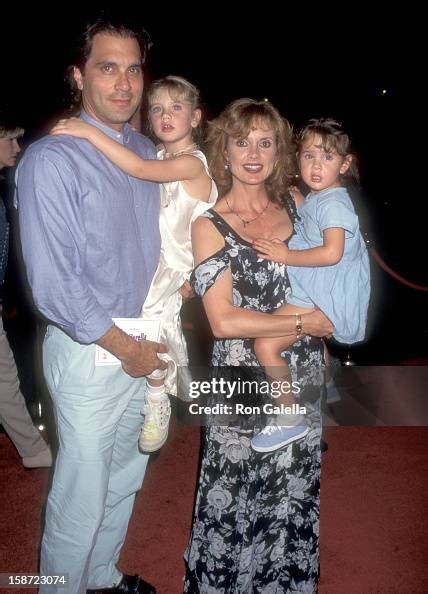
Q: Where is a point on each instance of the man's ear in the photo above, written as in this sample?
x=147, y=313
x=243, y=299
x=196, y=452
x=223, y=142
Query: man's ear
x=346, y=164
x=77, y=75
x=196, y=118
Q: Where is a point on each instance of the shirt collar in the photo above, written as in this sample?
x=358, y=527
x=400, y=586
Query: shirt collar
x=122, y=137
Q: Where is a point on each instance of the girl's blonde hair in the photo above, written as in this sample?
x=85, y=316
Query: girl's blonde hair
x=179, y=89
x=236, y=121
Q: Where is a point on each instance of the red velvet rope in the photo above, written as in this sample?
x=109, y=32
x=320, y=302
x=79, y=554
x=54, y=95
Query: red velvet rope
x=392, y=273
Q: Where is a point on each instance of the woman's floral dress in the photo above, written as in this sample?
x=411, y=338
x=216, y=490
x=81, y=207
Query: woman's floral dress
x=256, y=519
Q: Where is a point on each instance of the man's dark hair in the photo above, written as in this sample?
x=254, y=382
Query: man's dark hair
x=83, y=46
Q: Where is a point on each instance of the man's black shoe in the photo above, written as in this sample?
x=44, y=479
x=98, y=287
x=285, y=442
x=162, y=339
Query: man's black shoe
x=129, y=584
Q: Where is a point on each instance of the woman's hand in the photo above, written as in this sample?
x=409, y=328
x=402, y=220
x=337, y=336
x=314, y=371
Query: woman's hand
x=271, y=249
x=73, y=127
x=317, y=324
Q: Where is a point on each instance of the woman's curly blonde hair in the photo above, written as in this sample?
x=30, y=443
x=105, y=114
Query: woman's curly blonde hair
x=237, y=120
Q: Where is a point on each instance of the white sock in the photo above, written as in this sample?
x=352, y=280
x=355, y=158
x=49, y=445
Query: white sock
x=157, y=374
x=156, y=393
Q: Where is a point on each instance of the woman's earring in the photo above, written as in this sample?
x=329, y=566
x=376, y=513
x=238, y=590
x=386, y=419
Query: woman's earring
x=226, y=165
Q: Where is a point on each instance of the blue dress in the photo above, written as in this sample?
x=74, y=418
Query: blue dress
x=341, y=291
x=256, y=519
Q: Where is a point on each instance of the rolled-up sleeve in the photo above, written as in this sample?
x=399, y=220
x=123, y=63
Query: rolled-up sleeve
x=54, y=244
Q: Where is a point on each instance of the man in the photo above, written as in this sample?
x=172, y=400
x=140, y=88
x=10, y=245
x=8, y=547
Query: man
x=14, y=415
x=91, y=245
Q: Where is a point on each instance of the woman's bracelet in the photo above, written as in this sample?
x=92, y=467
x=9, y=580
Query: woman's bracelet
x=299, y=327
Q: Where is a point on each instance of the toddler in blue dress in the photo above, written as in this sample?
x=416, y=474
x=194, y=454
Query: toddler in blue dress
x=327, y=264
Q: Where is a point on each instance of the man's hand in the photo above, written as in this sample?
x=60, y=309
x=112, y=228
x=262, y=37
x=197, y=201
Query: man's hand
x=145, y=359
x=137, y=358
x=186, y=291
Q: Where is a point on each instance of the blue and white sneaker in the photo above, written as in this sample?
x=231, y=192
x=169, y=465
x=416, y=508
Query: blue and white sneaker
x=273, y=437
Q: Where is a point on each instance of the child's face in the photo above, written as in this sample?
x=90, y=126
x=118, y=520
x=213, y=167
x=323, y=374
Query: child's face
x=9, y=148
x=320, y=169
x=171, y=118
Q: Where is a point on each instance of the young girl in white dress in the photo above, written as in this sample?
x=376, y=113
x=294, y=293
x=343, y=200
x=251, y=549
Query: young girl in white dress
x=187, y=190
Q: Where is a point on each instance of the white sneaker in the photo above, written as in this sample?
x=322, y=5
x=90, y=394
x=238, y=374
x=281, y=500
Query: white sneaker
x=154, y=432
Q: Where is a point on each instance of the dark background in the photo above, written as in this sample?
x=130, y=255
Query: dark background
x=365, y=70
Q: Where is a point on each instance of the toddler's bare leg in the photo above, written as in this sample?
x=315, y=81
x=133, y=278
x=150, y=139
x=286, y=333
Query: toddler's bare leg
x=287, y=426
x=268, y=352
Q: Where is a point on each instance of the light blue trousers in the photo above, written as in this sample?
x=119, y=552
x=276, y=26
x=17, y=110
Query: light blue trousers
x=98, y=469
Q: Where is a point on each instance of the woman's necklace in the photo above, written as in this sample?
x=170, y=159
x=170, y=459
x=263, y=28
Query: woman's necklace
x=191, y=147
x=246, y=222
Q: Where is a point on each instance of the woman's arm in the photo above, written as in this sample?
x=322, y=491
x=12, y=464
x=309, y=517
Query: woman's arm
x=227, y=320
x=329, y=253
x=184, y=167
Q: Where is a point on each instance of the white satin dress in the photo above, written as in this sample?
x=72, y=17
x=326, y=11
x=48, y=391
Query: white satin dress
x=177, y=213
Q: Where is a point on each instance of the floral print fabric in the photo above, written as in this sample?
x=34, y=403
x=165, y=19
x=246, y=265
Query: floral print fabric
x=256, y=519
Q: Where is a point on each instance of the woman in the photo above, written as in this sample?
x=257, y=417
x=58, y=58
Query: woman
x=256, y=524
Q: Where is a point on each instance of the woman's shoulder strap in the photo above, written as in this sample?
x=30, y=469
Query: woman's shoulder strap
x=218, y=221
x=290, y=207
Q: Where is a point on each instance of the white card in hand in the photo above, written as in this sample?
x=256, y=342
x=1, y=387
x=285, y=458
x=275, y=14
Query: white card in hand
x=138, y=328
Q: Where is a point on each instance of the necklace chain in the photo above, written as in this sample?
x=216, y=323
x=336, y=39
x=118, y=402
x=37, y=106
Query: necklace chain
x=192, y=146
x=246, y=222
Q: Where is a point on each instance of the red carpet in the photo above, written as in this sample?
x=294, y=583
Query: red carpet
x=373, y=516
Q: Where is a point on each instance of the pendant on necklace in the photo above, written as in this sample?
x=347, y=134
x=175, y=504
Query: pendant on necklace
x=245, y=222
